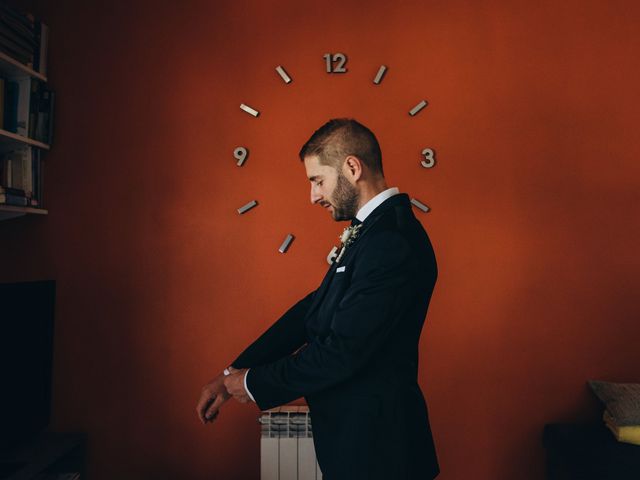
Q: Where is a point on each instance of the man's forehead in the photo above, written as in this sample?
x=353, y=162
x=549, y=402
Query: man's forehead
x=314, y=168
x=311, y=161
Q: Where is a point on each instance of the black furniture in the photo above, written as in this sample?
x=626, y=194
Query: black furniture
x=588, y=452
x=46, y=453
x=28, y=450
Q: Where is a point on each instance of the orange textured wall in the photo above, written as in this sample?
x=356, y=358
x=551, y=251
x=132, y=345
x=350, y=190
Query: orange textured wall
x=534, y=108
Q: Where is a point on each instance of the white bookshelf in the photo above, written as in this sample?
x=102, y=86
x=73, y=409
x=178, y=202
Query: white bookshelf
x=12, y=211
x=13, y=70
x=11, y=138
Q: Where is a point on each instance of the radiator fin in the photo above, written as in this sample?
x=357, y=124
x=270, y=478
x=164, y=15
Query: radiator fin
x=286, y=445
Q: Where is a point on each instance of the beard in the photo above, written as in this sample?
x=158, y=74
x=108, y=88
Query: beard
x=345, y=198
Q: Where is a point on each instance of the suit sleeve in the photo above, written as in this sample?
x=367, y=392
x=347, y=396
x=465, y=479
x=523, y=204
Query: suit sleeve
x=368, y=312
x=283, y=337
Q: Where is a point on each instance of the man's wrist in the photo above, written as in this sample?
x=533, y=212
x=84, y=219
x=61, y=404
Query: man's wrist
x=229, y=370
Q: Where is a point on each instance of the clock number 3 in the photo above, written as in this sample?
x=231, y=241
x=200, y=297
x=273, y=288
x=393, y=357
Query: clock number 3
x=429, y=158
x=336, y=62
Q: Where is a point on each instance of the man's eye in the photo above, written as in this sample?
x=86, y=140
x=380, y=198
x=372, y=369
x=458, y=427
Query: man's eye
x=318, y=184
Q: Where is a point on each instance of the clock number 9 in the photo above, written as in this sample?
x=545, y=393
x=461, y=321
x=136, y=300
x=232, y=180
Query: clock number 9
x=336, y=63
x=429, y=158
x=240, y=154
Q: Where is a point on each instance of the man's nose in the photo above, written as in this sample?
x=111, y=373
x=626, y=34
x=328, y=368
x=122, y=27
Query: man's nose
x=315, y=196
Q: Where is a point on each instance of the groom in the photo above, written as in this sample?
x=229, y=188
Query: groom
x=351, y=346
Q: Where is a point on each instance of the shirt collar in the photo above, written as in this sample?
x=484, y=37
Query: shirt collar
x=372, y=204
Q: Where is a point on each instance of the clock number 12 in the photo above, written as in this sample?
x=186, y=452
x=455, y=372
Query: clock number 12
x=336, y=62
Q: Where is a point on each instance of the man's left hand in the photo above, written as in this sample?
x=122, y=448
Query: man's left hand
x=234, y=384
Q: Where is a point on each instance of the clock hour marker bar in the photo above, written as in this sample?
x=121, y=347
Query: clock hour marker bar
x=247, y=207
x=420, y=205
x=285, y=245
x=380, y=74
x=418, y=107
x=249, y=110
x=283, y=74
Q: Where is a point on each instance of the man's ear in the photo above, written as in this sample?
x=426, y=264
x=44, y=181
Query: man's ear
x=352, y=168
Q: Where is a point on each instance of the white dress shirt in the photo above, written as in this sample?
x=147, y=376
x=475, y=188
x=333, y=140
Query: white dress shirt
x=375, y=202
x=362, y=214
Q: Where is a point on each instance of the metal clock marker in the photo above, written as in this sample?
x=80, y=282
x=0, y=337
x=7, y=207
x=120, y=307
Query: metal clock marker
x=417, y=108
x=380, y=74
x=249, y=110
x=245, y=208
x=335, y=63
x=287, y=242
x=286, y=78
x=420, y=205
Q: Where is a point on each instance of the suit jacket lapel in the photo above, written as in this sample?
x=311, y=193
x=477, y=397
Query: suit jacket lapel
x=367, y=224
x=385, y=207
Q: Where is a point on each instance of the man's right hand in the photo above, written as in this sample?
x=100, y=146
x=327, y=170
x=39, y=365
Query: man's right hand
x=213, y=395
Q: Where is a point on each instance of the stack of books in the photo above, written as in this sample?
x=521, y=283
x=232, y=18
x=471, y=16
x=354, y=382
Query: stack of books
x=26, y=108
x=23, y=38
x=21, y=177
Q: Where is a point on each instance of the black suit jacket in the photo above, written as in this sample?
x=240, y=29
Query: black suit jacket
x=351, y=349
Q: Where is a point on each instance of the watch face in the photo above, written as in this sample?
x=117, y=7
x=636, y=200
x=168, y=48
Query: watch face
x=279, y=123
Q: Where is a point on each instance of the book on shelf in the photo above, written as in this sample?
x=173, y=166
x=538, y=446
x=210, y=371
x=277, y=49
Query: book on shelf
x=11, y=190
x=41, y=112
x=10, y=112
x=18, y=36
x=19, y=22
x=28, y=108
x=2, y=87
x=38, y=173
x=42, y=48
x=17, y=200
x=14, y=49
x=24, y=99
x=19, y=168
x=24, y=38
x=21, y=175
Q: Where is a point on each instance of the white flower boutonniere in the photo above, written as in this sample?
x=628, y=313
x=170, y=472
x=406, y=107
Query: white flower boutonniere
x=348, y=236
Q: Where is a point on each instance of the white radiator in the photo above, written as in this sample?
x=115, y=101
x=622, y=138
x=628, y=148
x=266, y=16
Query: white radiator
x=286, y=445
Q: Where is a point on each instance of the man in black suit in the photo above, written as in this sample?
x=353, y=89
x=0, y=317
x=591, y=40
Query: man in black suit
x=351, y=346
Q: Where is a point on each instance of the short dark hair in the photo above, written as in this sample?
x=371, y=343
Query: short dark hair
x=341, y=137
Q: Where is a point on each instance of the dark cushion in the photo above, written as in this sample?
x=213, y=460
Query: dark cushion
x=588, y=452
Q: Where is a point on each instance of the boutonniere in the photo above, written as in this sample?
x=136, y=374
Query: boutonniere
x=348, y=236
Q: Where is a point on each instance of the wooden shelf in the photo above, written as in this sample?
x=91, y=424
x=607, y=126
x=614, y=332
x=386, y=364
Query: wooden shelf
x=10, y=137
x=12, y=211
x=13, y=69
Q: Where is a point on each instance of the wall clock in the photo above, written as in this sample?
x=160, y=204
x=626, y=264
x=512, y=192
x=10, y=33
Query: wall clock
x=335, y=63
